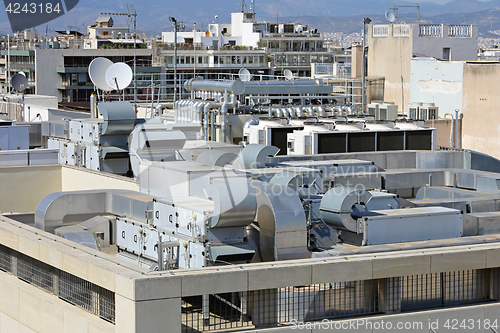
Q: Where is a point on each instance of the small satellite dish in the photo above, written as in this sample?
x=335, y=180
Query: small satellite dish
x=19, y=81
x=390, y=16
x=213, y=29
x=244, y=75
x=118, y=76
x=97, y=72
x=180, y=40
x=288, y=74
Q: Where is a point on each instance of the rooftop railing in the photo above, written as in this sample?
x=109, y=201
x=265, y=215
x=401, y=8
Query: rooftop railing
x=381, y=30
x=430, y=30
x=460, y=31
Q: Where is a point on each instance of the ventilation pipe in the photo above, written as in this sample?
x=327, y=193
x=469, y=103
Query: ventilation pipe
x=321, y=111
x=299, y=112
x=223, y=110
x=310, y=111
x=206, y=112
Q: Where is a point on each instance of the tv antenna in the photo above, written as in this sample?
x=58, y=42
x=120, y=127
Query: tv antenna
x=19, y=82
x=108, y=76
x=396, y=9
x=244, y=74
x=132, y=14
x=390, y=17
x=97, y=71
x=118, y=76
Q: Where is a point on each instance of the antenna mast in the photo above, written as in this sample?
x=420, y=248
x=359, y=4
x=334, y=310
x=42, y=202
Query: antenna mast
x=131, y=14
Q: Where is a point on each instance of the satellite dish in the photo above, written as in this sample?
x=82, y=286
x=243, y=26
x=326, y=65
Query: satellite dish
x=19, y=81
x=288, y=74
x=97, y=72
x=213, y=29
x=244, y=75
x=118, y=76
x=390, y=16
x=180, y=40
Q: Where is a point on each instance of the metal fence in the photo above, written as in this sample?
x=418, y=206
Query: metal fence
x=68, y=287
x=296, y=304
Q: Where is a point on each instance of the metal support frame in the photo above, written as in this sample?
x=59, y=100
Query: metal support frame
x=176, y=26
x=366, y=21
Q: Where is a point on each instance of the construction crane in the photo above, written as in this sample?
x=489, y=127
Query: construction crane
x=133, y=15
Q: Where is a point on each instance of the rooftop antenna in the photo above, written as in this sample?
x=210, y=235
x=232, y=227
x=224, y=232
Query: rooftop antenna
x=118, y=76
x=288, y=75
x=242, y=6
x=131, y=14
x=253, y=6
x=390, y=17
x=396, y=9
x=19, y=82
x=97, y=72
x=244, y=74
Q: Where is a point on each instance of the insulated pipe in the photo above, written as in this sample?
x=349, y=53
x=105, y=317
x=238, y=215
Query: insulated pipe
x=251, y=122
x=285, y=112
x=321, y=111
x=160, y=107
x=291, y=112
x=223, y=110
x=236, y=87
x=199, y=110
x=299, y=112
x=310, y=111
x=206, y=112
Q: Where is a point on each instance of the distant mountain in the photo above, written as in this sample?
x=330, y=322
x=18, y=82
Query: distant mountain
x=337, y=15
x=486, y=20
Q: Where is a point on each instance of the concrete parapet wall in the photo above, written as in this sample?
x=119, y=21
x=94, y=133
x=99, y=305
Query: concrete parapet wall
x=151, y=301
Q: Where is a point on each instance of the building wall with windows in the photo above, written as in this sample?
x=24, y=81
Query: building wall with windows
x=64, y=72
x=393, y=46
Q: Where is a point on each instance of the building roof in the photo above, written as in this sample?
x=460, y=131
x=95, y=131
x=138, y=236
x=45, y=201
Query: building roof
x=104, y=19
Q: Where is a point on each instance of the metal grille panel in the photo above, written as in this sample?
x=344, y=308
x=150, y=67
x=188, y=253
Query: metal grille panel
x=68, y=287
x=286, y=306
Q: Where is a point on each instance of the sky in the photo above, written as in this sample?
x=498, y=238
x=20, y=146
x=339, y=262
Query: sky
x=81, y=14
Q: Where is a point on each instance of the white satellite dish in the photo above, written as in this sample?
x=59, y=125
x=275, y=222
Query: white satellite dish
x=97, y=72
x=288, y=74
x=19, y=81
x=118, y=76
x=180, y=40
x=244, y=74
x=213, y=29
x=390, y=16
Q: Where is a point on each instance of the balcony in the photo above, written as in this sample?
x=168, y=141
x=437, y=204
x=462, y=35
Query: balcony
x=460, y=31
x=439, y=30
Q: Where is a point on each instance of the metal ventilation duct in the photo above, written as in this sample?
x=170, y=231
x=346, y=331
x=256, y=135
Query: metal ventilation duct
x=254, y=156
x=59, y=207
x=235, y=204
x=282, y=223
